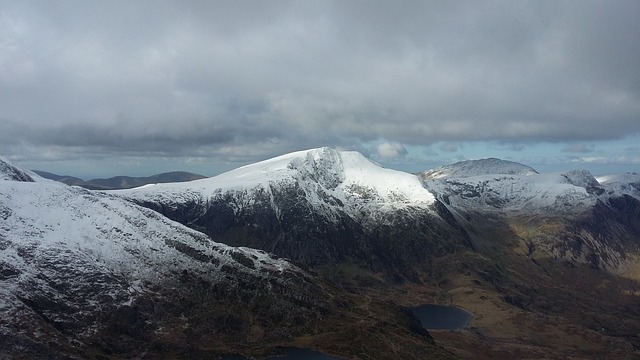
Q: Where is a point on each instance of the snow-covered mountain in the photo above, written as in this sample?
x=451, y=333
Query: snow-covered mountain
x=506, y=187
x=317, y=206
x=74, y=264
x=324, y=177
x=568, y=216
x=621, y=184
x=467, y=168
x=557, y=193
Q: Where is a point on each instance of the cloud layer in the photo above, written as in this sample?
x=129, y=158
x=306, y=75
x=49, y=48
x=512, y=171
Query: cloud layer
x=239, y=80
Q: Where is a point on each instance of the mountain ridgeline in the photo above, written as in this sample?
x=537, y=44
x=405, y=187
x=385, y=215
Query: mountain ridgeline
x=324, y=249
x=121, y=182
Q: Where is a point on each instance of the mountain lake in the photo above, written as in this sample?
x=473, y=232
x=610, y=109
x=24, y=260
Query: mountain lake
x=439, y=317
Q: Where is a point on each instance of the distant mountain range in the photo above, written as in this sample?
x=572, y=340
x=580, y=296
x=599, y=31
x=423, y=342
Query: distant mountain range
x=121, y=182
x=323, y=249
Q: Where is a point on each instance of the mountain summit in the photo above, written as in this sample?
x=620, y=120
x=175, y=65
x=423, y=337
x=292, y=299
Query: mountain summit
x=316, y=206
x=324, y=175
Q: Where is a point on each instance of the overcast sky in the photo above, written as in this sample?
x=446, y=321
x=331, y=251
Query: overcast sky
x=101, y=88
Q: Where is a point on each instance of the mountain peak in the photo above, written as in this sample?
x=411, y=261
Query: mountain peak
x=344, y=173
x=468, y=168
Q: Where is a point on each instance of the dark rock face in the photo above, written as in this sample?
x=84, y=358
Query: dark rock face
x=602, y=237
x=626, y=210
x=284, y=222
x=609, y=232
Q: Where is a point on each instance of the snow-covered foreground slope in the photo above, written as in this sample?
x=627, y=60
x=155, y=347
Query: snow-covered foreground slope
x=132, y=241
x=70, y=259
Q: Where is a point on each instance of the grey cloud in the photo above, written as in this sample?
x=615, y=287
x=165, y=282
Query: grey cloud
x=225, y=78
x=391, y=150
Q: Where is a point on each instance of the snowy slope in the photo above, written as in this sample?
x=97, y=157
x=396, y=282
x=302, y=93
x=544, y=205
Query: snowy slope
x=621, y=184
x=570, y=215
x=130, y=240
x=505, y=187
x=501, y=186
x=326, y=176
x=557, y=193
x=68, y=255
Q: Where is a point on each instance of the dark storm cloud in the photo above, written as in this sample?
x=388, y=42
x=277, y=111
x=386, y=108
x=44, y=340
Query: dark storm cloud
x=240, y=79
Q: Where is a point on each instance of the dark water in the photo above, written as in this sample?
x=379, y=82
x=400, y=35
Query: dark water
x=438, y=317
x=291, y=354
